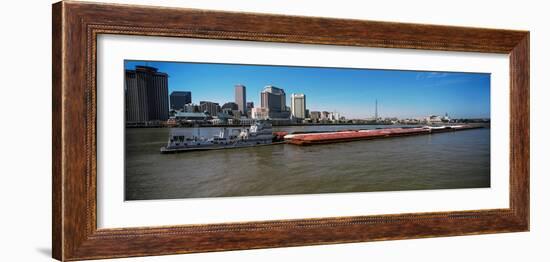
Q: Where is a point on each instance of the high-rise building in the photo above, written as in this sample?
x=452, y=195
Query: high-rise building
x=274, y=99
x=240, y=98
x=210, y=107
x=146, y=95
x=178, y=99
x=298, y=106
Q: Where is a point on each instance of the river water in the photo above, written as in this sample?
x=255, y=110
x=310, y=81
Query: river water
x=437, y=161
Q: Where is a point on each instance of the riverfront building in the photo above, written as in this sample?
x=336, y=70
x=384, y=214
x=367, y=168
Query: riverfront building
x=210, y=107
x=187, y=116
x=325, y=115
x=315, y=116
x=260, y=113
x=298, y=106
x=178, y=99
x=274, y=99
x=191, y=108
x=334, y=116
x=230, y=106
x=146, y=95
x=231, y=109
x=240, y=98
x=249, y=106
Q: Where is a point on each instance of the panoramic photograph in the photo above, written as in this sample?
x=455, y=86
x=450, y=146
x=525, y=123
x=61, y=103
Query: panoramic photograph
x=202, y=130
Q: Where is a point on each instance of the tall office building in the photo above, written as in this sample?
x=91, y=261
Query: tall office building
x=146, y=92
x=240, y=98
x=274, y=99
x=298, y=106
x=178, y=99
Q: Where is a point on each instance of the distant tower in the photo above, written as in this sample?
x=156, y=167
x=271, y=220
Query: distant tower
x=274, y=99
x=298, y=106
x=240, y=98
x=376, y=109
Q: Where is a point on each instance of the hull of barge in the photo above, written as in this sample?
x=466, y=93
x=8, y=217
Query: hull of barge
x=165, y=150
x=349, y=136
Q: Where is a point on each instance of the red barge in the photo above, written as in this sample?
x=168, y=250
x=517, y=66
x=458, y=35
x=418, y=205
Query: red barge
x=354, y=135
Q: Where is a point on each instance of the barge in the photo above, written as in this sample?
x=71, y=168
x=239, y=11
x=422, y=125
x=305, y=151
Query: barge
x=355, y=135
x=261, y=134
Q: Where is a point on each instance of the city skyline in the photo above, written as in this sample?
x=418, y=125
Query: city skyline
x=350, y=92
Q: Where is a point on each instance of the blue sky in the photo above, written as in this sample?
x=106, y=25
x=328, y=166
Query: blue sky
x=351, y=92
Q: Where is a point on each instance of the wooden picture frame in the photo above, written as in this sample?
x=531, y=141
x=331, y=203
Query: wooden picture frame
x=76, y=26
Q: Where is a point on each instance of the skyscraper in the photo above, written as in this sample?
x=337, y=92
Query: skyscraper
x=298, y=106
x=146, y=92
x=274, y=99
x=178, y=99
x=240, y=98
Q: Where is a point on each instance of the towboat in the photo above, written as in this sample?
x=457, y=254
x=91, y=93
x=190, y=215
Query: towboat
x=259, y=133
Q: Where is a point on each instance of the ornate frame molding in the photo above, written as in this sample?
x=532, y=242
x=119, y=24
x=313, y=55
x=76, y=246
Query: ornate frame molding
x=76, y=26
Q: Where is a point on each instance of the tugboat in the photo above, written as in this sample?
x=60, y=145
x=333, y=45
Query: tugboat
x=259, y=133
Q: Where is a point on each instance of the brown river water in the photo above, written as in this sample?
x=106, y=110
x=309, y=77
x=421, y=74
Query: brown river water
x=438, y=161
